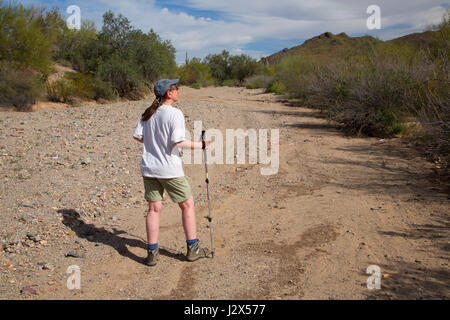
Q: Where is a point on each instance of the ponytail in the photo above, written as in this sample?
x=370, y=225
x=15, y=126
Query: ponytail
x=151, y=110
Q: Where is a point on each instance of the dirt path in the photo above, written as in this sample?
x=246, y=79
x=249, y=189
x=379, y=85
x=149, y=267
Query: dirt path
x=336, y=206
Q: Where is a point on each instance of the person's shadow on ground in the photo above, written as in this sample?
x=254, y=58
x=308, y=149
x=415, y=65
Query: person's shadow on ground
x=73, y=220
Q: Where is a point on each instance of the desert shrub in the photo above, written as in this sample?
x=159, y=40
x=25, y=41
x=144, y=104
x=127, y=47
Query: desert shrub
x=242, y=66
x=127, y=58
x=364, y=94
x=154, y=57
x=428, y=101
x=254, y=83
x=224, y=67
x=268, y=70
x=81, y=84
x=228, y=83
x=194, y=72
x=277, y=87
x=119, y=56
x=90, y=87
x=123, y=77
x=372, y=91
x=19, y=88
x=23, y=41
x=219, y=65
x=62, y=90
x=195, y=86
x=102, y=90
x=297, y=74
x=258, y=81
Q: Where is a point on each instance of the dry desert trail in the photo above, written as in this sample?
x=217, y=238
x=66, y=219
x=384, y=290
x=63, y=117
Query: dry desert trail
x=337, y=205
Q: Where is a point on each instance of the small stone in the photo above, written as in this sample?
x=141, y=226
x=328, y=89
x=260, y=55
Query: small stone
x=75, y=254
x=29, y=289
x=26, y=205
x=47, y=266
x=33, y=237
x=85, y=161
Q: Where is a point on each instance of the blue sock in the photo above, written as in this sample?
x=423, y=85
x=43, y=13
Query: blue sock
x=152, y=246
x=191, y=242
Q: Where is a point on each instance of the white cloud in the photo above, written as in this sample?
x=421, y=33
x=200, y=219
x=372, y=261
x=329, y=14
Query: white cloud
x=254, y=20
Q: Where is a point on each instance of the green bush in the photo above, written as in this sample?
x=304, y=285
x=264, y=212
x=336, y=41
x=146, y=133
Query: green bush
x=243, y=66
x=364, y=94
x=90, y=87
x=297, y=73
x=195, y=86
x=219, y=65
x=23, y=41
x=258, y=81
x=18, y=88
x=277, y=87
x=81, y=84
x=193, y=72
x=123, y=76
x=103, y=90
x=228, y=83
x=61, y=90
x=225, y=67
x=117, y=61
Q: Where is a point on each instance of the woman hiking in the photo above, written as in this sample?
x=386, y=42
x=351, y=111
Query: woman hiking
x=161, y=129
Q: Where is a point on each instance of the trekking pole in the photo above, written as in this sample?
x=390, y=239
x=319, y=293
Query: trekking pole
x=207, y=193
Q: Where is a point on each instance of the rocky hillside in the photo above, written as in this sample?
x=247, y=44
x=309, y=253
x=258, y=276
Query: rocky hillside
x=341, y=44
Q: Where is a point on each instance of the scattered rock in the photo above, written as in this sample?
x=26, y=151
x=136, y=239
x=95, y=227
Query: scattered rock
x=48, y=266
x=33, y=237
x=75, y=254
x=29, y=289
x=26, y=205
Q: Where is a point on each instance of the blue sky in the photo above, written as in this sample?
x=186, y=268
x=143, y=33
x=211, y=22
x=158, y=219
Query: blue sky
x=257, y=27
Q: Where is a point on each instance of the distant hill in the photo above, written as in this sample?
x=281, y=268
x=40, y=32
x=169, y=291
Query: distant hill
x=422, y=39
x=341, y=45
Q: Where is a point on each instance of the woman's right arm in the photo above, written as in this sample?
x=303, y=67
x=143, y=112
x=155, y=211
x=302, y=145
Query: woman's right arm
x=186, y=144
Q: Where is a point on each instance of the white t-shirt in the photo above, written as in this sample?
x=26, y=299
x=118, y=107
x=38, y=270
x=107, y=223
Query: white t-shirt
x=164, y=128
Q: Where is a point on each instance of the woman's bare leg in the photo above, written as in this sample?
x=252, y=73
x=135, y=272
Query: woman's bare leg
x=188, y=218
x=152, y=221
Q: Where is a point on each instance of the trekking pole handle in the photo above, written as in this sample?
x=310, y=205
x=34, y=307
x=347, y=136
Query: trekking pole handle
x=203, y=140
x=204, y=153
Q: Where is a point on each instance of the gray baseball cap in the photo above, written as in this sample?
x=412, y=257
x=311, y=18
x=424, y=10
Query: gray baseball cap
x=161, y=86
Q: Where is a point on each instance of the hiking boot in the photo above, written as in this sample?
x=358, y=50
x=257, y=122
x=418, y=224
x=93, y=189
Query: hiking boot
x=194, y=252
x=152, y=257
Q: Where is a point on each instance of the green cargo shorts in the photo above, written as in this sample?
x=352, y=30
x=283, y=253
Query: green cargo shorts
x=177, y=188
